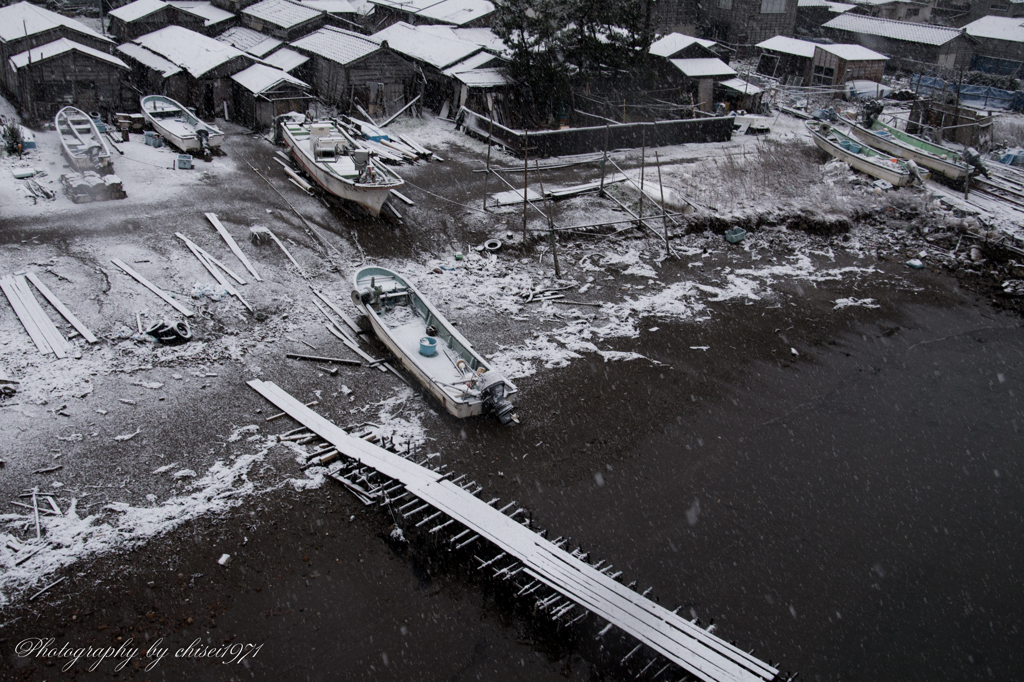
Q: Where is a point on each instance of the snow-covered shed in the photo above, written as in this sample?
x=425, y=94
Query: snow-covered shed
x=836, y=64
x=922, y=43
x=263, y=92
x=247, y=40
x=788, y=59
x=187, y=66
x=282, y=19
x=145, y=16
x=348, y=68
x=286, y=59
x=460, y=13
x=62, y=72
x=1000, y=44
x=24, y=26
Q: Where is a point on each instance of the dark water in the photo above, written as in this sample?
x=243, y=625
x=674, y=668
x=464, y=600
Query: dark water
x=853, y=512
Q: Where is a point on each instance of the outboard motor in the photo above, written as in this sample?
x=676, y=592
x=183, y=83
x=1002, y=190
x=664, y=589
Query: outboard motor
x=492, y=389
x=872, y=110
x=204, y=143
x=973, y=157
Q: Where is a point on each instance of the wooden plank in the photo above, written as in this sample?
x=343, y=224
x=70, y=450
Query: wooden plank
x=212, y=217
x=229, y=271
x=57, y=342
x=699, y=652
x=332, y=328
x=61, y=308
x=213, y=271
x=404, y=198
x=152, y=287
x=339, y=312
x=7, y=285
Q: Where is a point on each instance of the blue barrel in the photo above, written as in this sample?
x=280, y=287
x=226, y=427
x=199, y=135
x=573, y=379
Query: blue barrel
x=428, y=346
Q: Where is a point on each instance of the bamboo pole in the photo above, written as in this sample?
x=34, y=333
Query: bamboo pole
x=490, y=139
x=664, y=213
x=643, y=157
x=526, y=167
x=551, y=228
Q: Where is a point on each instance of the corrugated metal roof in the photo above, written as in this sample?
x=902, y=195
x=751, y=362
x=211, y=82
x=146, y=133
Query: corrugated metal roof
x=907, y=31
x=997, y=28
x=329, y=6
x=260, y=78
x=482, y=78
x=286, y=60
x=479, y=60
x=205, y=10
x=405, y=5
x=195, y=53
x=58, y=47
x=248, y=40
x=674, y=43
x=800, y=48
x=149, y=59
x=837, y=7
x=337, y=45
x=457, y=12
x=281, y=13
x=703, y=68
x=853, y=53
x=740, y=85
x=136, y=10
x=425, y=46
x=25, y=19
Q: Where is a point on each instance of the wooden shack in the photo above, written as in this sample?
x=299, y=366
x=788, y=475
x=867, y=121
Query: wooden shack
x=348, y=68
x=263, y=93
x=837, y=64
x=282, y=19
x=788, y=59
x=52, y=76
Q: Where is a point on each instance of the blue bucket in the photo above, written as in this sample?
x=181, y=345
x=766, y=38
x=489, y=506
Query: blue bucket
x=428, y=346
x=185, y=161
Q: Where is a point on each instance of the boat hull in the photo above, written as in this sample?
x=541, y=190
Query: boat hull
x=896, y=148
x=457, y=407
x=79, y=159
x=371, y=197
x=186, y=141
x=894, y=176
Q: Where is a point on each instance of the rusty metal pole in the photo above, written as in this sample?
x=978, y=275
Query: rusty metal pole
x=490, y=138
x=526, y=171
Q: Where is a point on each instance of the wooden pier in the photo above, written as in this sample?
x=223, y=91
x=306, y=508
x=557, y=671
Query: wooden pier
x=415, y=489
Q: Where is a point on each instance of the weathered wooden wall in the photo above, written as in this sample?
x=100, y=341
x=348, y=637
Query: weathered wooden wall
x=75, y=79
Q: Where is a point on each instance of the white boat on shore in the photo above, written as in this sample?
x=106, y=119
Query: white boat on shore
x=430, y=348
x=81, y=142
x=337, y=164
x=894, y=141
x=864, y=158
x=179, y=126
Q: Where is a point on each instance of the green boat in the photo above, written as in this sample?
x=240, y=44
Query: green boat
x=934, y=157
x=862, y=157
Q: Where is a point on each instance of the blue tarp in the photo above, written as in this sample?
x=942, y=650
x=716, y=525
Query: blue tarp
x=980, y=96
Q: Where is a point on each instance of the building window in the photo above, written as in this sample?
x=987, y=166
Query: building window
x=724, y=4
x=773, y=6
x=823, y=76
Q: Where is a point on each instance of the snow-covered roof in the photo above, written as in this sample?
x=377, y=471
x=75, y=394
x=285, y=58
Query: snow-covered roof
x=876, y=3
x=58, y=47
x=248, y=40
x=484, y=37
x=836, y=7
x=997, y=28
x=479, y=60
x=800, y=48
x=740, y=85
x=283, y=13
x=853, y=53
x=704, y=67
x=149, y=59
x=338, y=45
x=908, y=31
x=136, y=10
x=195, y=53
x=286, y=60
x=205, y=10
x=259, y=78
x=457, y=12
x=425, y=46
x=405, y=5
x=482, y=78
x=329, y=6
x=25, y=19
x=674, y=43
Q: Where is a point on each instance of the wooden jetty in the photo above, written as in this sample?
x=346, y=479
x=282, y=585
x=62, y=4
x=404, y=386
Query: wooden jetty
x=563, y=583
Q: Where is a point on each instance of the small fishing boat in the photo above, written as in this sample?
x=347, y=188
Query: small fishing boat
x=430, y=348
x=80, y=139
x=341, y=167
x=893, y=141
x=179, y=126
x=862, y=157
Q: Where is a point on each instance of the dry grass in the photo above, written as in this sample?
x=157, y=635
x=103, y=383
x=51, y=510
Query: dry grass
x=1008, y=131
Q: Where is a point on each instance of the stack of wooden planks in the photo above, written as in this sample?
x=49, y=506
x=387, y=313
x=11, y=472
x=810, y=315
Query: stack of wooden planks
x=393, y=149
x=40, y=328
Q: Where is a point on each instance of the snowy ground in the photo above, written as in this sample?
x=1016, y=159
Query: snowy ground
x=148, y=437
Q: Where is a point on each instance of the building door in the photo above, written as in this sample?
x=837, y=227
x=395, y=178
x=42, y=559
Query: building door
x=208, y=103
